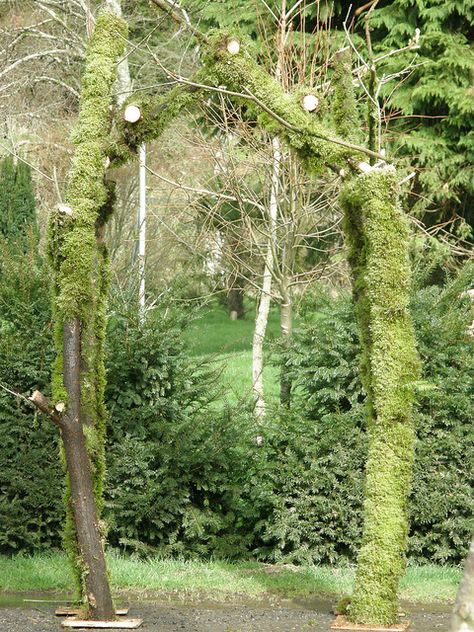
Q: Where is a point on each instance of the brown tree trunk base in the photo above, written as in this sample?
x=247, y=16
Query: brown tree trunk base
x=342, y=623
x=235, y=303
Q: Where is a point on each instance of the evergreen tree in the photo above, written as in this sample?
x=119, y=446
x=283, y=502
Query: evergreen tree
x=31, y=509
x=17, y=202
x=30, y=479
x=25, y=211
x=7, y=195
x=434, y=105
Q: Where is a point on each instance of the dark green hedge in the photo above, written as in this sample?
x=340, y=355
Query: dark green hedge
x=318, y=514
x=175, y=463
x=31, y=480
x=186, y=477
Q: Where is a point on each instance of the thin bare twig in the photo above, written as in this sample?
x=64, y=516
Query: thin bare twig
x=169, y=8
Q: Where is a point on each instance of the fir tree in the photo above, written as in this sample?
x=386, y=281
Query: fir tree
x=17, y=202
x=24, y=200
x=434, y=104
x=7, y=195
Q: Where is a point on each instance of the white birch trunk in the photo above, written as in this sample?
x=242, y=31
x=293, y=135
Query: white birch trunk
x=463, y=616
x=265, y=296
x=123, y=85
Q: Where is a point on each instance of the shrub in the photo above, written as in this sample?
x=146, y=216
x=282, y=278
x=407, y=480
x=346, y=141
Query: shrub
x=317, y=504
x=31, y=480
x=186, y=477
x=175, y=463
x=316, y=451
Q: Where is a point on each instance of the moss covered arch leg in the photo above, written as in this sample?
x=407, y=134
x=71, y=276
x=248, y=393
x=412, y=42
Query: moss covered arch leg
x=377, y=236
x=79, y=262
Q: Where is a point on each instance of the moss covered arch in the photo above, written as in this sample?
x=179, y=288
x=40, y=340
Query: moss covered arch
x=375, y=229
x=377, y=236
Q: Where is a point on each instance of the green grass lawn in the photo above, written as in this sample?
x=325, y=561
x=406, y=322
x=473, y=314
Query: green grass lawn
x=220, y=580
x=228, y=345
x=213, y=333
x=236, y=378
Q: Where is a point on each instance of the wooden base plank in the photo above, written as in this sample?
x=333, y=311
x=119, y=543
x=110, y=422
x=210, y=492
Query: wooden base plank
x=342, y=623
x=68, y=611
x=121, y=624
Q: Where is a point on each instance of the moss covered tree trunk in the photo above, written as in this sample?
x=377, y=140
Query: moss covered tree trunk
x=79, y=261
x=82, y=500
x=377, y=235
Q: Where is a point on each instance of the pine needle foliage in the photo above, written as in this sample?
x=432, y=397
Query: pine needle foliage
x=17, y=203
x=434, y=104
x=30, y=481
x=324, y=362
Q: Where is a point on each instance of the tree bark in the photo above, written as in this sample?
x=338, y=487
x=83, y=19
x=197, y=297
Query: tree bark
x=82, y=498
x=235, y=297
x=286, y=329
x=463, y=615
x=265, y=296
x=142, y=232
x=79, y=260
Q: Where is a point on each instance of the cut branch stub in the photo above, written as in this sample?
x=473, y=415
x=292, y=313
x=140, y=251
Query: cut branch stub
x=64, y=209
x=310, y=102
x=42, y=403
x=233, y=46
x=132, y=113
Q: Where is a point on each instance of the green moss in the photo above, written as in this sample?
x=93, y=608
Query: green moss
x=157, y=113
x=240, y=73
x=343, y=105
x=69, y=538
x=79, y=258
x=86, y=191
x=377, y=236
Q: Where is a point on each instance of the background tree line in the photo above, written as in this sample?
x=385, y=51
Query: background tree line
x=184, y=472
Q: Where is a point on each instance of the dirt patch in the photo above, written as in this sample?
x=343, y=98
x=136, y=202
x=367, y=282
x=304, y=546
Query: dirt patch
x=310, y=615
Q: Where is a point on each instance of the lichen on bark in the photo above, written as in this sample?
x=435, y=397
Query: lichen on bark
x=377, y=235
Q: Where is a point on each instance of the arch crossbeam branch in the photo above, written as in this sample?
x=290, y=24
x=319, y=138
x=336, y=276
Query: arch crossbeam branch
x=238, y=75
